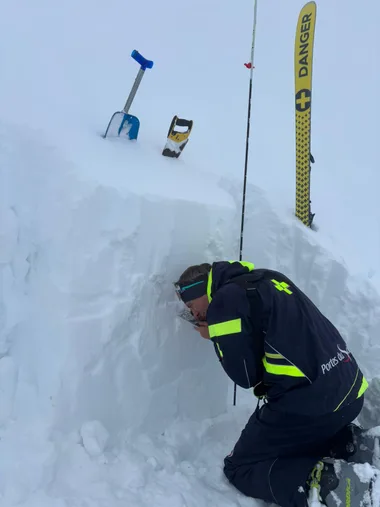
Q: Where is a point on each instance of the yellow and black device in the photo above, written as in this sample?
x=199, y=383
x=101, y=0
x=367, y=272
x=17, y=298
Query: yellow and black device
x=177, y=139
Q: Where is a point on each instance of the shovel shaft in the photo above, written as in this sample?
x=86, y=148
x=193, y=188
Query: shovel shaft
x=132, y=93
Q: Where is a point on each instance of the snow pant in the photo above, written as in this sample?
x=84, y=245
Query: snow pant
x=276, y=452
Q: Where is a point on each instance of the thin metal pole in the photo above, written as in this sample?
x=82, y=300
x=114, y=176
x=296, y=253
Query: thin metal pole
x=247, y=140
x=133, y=91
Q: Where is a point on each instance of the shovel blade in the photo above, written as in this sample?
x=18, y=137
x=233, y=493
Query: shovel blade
x=122, y=124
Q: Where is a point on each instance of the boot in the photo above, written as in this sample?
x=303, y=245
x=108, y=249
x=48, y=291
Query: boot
x=366, y=447
x=356, y=445
x=335, y=483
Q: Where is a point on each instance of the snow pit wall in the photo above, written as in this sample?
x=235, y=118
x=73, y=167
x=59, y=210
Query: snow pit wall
x=88, y=326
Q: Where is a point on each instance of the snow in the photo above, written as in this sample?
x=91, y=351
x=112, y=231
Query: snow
x=368, y=474
x=94, y=437
x=313, y=498
x=107, y=398
x=375, y=431
x=364, y=471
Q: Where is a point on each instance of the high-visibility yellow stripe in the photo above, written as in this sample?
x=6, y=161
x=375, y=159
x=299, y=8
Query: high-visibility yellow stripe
x=363, y=387
x=219, y=350
x=351, y=388
x=225, y=328
x=277, y=369
x=274, y=356
x=245, y=264
x=248, y=265
x=209, y=285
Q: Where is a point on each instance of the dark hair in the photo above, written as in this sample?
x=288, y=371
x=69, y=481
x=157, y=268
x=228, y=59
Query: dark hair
x=193, y=273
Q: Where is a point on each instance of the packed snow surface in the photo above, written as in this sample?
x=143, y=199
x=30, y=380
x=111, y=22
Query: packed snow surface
x=106, y=397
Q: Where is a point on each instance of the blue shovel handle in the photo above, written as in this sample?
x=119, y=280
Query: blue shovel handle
x=145, y=64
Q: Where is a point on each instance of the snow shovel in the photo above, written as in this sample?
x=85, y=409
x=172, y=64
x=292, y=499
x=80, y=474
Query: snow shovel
x=122, y=123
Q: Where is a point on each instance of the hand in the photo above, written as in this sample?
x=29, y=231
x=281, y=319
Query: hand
x=260, y=390
x=202, y=329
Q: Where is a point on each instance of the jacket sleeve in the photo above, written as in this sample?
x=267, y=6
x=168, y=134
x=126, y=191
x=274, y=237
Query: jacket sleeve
x=238, y=341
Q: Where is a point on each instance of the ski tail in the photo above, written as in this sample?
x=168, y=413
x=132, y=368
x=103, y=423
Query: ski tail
x=303, y=63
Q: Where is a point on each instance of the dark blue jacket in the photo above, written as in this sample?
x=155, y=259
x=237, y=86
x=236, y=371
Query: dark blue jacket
x=269, y=336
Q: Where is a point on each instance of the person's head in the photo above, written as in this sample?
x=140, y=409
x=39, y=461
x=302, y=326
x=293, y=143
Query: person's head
x=192, y=289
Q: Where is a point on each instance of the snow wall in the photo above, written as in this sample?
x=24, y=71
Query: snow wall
x=88, y=314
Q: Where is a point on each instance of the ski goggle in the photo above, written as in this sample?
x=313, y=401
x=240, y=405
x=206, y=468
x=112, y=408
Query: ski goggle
x=191, y=291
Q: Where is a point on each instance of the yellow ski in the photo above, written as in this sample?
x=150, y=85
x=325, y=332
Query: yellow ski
x=303, y=64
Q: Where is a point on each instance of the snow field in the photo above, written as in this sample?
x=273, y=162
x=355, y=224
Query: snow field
x=106, y=396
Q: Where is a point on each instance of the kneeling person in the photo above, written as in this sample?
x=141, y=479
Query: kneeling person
x=269, y=336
